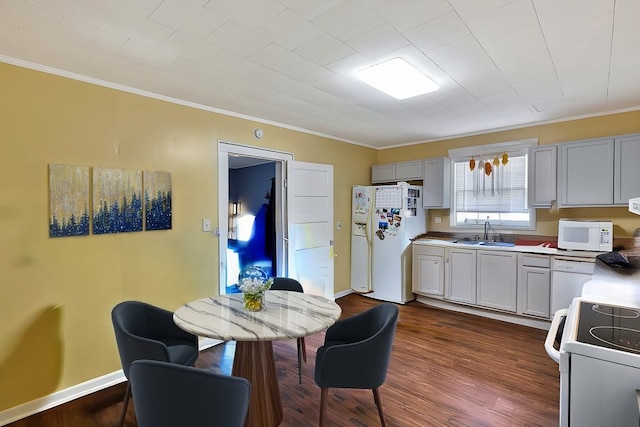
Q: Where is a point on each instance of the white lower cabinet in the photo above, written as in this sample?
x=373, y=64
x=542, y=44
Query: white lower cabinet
x=513, y=282
x=534, y=285
x=460, y=275
x=497, y=278
x=428, y=270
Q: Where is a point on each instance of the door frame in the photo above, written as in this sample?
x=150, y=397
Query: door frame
x=228, y=149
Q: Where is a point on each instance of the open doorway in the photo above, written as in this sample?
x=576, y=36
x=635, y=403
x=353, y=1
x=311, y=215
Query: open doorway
x=302, y=198
x=252, y=218
x=251, y=211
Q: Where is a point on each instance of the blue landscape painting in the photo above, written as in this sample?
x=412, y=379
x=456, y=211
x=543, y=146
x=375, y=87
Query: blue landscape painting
x=117, y=201
x=68, y=201
x=157, y=200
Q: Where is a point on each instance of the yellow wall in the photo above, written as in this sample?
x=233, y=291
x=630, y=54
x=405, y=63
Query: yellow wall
x=57, y=294
x=625, y=223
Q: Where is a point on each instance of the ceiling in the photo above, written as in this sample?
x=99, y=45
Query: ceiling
x=499, y=63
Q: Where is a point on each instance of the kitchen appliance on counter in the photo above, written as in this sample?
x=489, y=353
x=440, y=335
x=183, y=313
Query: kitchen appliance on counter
x=384, y=219
x=599, y=350
x=585, y=235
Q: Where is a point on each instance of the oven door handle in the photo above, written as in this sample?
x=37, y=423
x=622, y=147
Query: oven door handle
x=551, y=335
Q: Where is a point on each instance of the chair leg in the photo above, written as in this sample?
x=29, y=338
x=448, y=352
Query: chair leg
x=304, y=349
x=127, y=394
x=299, y=362
x=376, y=397
x=323, y=405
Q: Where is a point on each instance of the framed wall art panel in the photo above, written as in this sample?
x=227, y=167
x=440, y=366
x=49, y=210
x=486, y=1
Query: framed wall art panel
x=117, y=201
x=68, y=200
x=157, y=200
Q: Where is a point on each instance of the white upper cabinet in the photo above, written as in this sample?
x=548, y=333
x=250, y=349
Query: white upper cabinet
x=598, y=172
x=393, y=172
x=435, y=186
x=409, y=170
x=383, y=173
x=542, y=175
x=627, y=170
x=586, y=173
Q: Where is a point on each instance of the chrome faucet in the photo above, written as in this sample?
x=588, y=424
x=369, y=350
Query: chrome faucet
x=487, y=227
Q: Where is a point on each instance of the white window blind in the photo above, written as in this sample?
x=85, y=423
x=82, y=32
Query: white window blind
x=500, y=197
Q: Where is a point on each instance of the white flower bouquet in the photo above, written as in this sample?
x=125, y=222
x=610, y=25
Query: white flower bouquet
x=254, y=285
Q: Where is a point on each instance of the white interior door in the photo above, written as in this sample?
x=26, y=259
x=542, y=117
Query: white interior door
x=310, y=219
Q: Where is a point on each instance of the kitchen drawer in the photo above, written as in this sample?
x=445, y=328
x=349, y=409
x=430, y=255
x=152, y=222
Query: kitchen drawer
x=429, y=250
x=536, y=261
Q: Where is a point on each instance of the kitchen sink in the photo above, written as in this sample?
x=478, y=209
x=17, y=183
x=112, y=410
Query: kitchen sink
x=504, y=244
x=483, y=243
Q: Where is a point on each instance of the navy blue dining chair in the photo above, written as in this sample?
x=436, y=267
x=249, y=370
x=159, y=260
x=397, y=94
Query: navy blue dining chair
x=356, y=353
x=170, y=395
x=144, y=331
x=288, y=284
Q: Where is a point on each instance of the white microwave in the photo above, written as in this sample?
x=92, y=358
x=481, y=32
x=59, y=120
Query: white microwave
x=585, y=235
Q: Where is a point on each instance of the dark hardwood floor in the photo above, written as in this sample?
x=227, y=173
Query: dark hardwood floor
x=446, y=369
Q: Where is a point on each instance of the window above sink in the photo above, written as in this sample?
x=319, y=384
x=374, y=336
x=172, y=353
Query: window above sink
x=490, y=183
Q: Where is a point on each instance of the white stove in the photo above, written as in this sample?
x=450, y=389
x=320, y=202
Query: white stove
x=604, y=331
x=599, y=354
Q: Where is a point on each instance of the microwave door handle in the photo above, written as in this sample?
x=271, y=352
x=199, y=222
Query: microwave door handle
x=551, y=335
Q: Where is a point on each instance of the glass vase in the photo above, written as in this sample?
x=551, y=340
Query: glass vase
x=253, y=301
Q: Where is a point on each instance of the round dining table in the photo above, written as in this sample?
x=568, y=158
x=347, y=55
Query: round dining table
x=286, y=316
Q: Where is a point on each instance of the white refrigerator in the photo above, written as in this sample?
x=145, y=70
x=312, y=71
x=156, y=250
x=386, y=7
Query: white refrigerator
x=384, y=219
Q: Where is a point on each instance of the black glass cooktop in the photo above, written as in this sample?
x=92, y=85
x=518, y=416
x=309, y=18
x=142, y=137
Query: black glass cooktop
x=609, y=326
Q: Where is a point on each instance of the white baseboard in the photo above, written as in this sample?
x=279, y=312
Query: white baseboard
x=505, y=317
x=60, y=397
x=343, y=293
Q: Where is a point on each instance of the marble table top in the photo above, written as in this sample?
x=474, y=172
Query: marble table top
x=287, y=315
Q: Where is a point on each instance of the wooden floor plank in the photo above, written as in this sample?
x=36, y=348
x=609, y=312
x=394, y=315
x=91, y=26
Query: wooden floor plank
x=447, y=369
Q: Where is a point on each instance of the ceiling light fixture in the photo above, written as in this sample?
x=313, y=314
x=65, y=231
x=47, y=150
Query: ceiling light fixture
x=397, y=78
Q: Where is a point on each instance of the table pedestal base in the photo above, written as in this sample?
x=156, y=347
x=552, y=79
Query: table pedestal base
x=254, y=361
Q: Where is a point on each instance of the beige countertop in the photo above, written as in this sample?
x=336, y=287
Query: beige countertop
x=538, y=249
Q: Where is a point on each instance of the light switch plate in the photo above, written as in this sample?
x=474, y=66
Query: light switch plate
x=206, y=224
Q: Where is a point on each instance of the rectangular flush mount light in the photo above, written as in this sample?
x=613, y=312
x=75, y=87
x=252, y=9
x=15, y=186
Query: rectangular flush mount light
x=397, y=78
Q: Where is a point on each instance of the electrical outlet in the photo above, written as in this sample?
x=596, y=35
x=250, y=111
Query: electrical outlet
x=206, y=224
x=438, y=219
